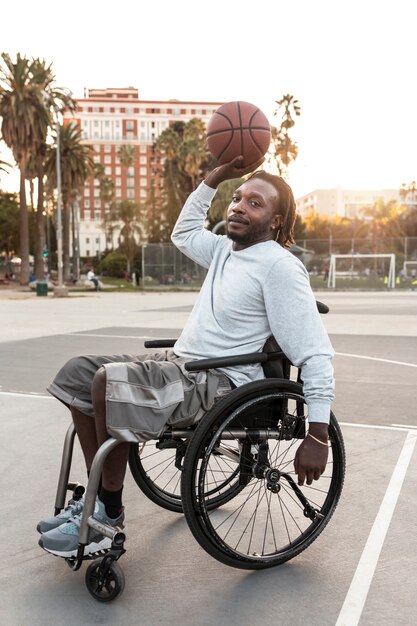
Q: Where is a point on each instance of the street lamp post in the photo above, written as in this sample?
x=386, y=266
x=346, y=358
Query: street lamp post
x=60, y=289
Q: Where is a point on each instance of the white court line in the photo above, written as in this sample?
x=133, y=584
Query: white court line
x=358, y=591
x=111, y=336
x=26, y=395
x=397, y=427
x=374, y=358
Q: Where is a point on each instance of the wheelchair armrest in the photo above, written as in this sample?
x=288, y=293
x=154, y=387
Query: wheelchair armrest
x=160, y=343
x=226, y=361
x=321, y=307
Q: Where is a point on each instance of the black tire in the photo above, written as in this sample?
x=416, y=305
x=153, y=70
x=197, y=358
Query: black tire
x=267, y=524
x=104, y=588
x=156, y=474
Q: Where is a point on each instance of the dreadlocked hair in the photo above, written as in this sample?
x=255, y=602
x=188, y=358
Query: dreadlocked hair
x=286, y=207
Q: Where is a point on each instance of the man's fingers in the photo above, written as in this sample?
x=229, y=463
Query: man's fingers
x=301, y=476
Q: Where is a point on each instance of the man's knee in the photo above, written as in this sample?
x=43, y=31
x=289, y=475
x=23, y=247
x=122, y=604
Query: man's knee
x=98, y=387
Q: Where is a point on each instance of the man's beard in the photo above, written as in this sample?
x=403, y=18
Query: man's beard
x=246, y=238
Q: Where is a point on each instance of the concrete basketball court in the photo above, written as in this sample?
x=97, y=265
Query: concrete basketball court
x=362, y=569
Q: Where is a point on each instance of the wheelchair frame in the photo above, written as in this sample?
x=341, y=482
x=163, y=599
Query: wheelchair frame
x=205, y=443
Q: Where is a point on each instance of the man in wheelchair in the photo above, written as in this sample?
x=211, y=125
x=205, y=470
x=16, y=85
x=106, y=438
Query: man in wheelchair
x=254, y=288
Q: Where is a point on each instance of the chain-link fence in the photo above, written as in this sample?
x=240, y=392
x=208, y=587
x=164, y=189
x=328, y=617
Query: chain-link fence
x=164, y=265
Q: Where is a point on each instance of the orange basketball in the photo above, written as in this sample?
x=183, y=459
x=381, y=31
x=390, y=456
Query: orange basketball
x=238, y=128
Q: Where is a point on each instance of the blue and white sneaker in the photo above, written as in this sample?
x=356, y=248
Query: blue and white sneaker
x=63, y=540
x=75, y=507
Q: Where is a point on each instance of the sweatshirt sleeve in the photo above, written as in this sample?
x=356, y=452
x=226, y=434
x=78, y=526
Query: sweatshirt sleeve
x=189, y=234
x=296, y=324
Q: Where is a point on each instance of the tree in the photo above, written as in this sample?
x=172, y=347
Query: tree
x=284, y=149
x=128, y=214
x=24, y=119
x=4, y=166
x=56, y=99
x=126, y=155
x=408, y=193
x=76, y=165
x=9, y=223
x=186, y=161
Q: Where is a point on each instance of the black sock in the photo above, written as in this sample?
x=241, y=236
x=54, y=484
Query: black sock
x=112, y=501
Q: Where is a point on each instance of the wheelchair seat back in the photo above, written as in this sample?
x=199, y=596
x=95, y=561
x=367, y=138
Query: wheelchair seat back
x=275, y=368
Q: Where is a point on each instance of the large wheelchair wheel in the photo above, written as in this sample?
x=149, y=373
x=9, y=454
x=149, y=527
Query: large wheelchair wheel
x=157, y=466
x=271, y=519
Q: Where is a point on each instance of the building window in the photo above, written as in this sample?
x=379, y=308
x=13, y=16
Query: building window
x=86, y=191
x=87, y=253
x=118, y=171
x=143, y=182
x=131, y=194
x=107, y=148
x=87, y=204
x=142, y=149
x=143, y=193
x=131, y=170
x=129, y=125
x=97, y=203
x=107, y=158
x=107, y=170
x=118, y=182
x=130, y=182
x=143, y=171
x=87, y=240
x=118, y=193
x=143, y=159
x=129, y=134
x=96, y=159
x=97, y=216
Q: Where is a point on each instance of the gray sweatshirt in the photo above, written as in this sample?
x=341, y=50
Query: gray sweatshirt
x=247, y=296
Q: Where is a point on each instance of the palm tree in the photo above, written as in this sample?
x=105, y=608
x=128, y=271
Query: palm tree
x=106, y=190
x=285, y=150
x=24, y=119
x=76, y=165
x=128, y=213
x=4, y=166
x=126, y=155
x=193, y=149
x=168, y=143
x=57, y=99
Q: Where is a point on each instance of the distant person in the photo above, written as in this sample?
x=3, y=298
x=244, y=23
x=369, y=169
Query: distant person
x=137, y=276
x=92, y=278
x=254, y=288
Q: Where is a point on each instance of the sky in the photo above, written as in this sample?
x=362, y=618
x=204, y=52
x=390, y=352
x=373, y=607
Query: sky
x=351, y=64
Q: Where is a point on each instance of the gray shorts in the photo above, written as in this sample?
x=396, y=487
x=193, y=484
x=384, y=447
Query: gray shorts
x=144, y=393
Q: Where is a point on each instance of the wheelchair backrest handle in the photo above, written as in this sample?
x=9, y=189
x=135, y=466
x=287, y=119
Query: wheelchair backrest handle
x=227, y=361
x=160, y=343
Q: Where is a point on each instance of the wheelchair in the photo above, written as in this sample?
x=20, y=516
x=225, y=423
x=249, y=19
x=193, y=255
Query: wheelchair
x=231, y=475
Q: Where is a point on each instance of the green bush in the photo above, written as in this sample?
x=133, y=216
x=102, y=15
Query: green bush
x=113, y=264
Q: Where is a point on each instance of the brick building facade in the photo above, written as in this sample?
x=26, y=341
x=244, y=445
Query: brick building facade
x=108, y=119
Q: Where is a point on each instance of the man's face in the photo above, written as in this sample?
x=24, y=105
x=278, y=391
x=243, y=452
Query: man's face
x=251, y=216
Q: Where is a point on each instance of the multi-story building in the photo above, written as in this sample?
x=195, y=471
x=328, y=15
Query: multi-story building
x=343, y=202
x=110, y=118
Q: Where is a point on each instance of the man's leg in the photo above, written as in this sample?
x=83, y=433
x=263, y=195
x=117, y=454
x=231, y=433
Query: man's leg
x=114, y=467
x=86, y=431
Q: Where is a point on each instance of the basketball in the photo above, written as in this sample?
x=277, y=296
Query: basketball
x=238, y=128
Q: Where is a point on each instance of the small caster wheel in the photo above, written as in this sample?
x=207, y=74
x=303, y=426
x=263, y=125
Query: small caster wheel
x=105, y=585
